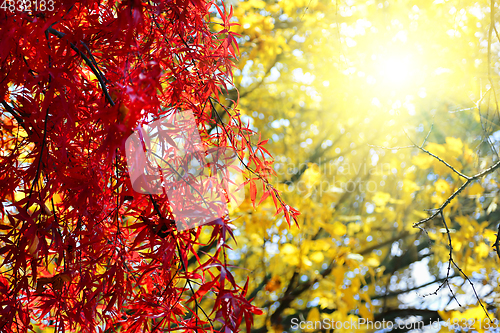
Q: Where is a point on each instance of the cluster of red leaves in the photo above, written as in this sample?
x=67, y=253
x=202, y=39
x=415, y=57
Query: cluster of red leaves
x=79, y=250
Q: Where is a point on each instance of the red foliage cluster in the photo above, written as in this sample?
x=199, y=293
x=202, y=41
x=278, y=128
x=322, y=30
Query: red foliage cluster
x=80, y=251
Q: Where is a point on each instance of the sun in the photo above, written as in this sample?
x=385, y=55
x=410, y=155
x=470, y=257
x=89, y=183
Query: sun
x=396, y=70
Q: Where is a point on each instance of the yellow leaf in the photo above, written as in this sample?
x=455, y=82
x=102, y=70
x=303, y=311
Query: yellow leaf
x=436, y=149
x=339, y=229
x=348, y=298
x=306, y=261
x=442, y=186
x=256, y=239
x=335, y=229
x=476, y=189
x=317, y=257
x=445, y=315
x=422, y=161
x=454, y=146
x=482, y=250
x=258, y=4
x=410, y=186
x=474, y=313
x=365, y=312
x=289, y=249
x=312, y=175
x=372, y=262
x=355, y=284
x=353, y=228
x=313, y=315
x=432, y=235
x=490, y=235
x=366, y=298
x=338, y=273
x=381, y=198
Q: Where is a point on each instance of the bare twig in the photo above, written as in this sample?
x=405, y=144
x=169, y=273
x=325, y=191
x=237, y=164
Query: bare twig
x=496, y=245
x=460, y=189
x=433, y=155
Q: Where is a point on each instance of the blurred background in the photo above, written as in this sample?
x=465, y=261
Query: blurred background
x=341, y=89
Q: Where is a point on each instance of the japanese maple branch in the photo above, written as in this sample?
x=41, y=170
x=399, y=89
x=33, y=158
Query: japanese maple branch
x=44, y=142
x=184, y=267
x=245, y=93
x=219, y=118
x=44, y=139
x=89, y=62
x=16, y=115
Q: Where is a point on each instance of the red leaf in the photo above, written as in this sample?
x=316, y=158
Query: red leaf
x=204, y=288
x=253, y=192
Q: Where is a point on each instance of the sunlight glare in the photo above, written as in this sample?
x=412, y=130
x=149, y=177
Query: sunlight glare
x=396, y=70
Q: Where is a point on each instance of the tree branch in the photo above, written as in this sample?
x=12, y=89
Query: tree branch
x=89, y=62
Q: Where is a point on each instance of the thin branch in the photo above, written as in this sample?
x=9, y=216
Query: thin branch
x=497, y=242
x=469, y=179
x=448, y=276
x=460, y=189
x=435, y=156
x=89, y=62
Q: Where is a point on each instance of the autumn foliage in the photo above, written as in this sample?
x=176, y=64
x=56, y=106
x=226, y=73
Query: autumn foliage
x=80, y=251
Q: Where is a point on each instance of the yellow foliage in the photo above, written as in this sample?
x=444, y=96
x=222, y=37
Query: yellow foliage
x=422, y=161
x=490, y=235
x=475, y=189
x=329, y=84
x=289, y=249
x=372, y=262
x=482, y=250
x=381, y=198
x=442, y=186
x=317, y=257
x=312, y=175
x=475, y=317
x=335, y=229
x=256, y=239
x=365, y=312
x=338, y=273
x=436, y=149
x=312, y=316
x=454, y=146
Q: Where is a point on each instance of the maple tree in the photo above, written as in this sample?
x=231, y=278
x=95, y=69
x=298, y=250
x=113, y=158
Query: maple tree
x=80, y=251
x=383, y=123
